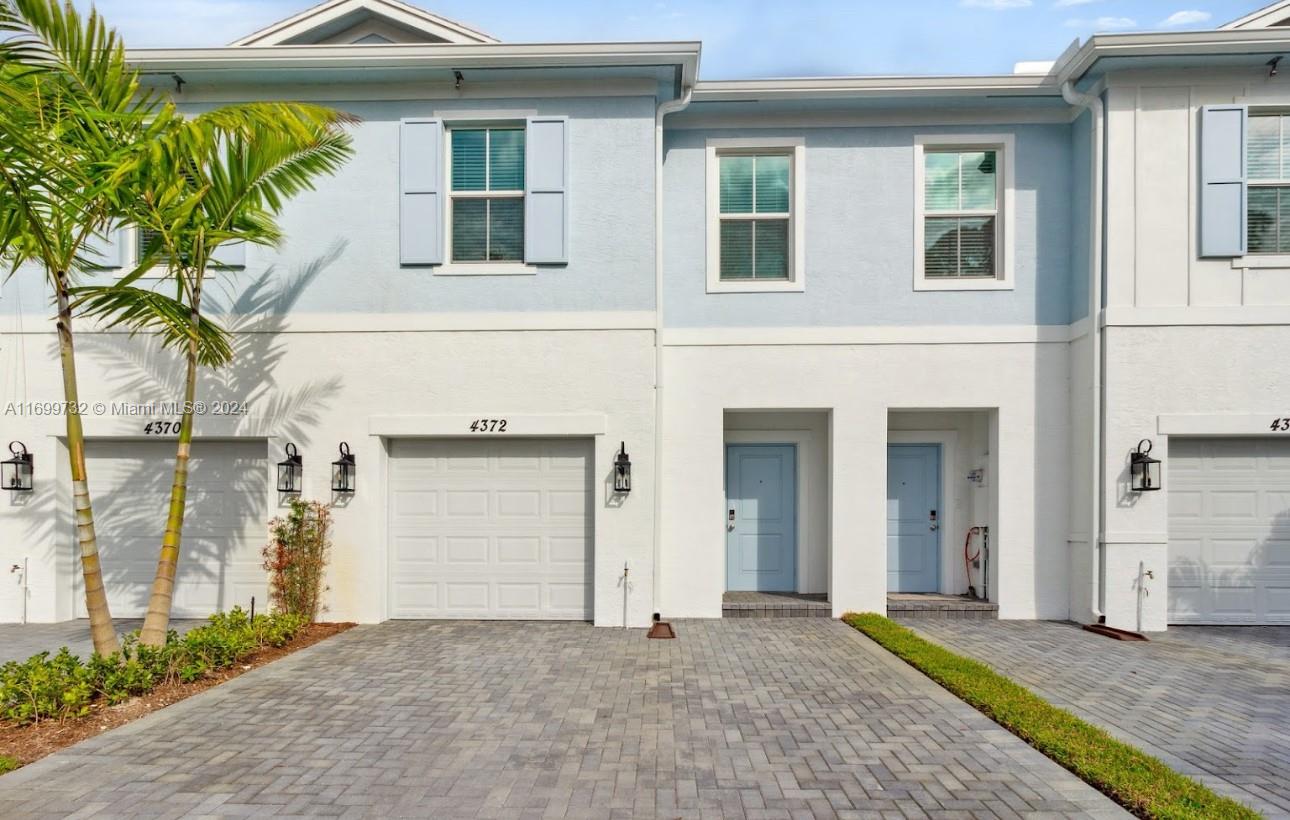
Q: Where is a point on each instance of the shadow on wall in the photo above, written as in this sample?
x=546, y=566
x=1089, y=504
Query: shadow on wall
x=131, y=496
x=39, y=548
x=1194, y=585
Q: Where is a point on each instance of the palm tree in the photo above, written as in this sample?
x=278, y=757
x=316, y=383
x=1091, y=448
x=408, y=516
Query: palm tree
x=219, y=178
x=72, y=120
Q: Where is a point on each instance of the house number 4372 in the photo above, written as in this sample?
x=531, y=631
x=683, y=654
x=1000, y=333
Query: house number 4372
x=488, y=426
x=1281, y=425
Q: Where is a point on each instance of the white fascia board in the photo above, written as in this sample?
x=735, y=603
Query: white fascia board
x=444, y=55
x=850, y=87
x=1170, y=44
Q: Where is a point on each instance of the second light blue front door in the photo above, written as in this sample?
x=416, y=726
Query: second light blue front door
x=913, y=517
x=761, y=517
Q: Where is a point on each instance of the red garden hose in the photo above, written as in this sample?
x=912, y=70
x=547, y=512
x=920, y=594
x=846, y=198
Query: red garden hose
x=968, y=559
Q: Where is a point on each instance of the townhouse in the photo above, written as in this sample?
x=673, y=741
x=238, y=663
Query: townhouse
x=605, y=340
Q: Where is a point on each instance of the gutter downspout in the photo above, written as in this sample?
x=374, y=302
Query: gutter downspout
x=1093, y=103
x=665, y=108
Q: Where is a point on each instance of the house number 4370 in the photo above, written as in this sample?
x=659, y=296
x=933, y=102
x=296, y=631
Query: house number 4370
x=1281, y=425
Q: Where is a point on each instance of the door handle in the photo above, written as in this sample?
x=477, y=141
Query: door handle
x=730, y=526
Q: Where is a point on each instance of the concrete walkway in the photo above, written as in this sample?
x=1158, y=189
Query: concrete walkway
x=775, y=718
x=1212, y=702
x=18, y=642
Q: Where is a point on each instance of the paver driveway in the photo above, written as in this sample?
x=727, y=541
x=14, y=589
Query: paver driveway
x=1212, y=702
x=756, y=718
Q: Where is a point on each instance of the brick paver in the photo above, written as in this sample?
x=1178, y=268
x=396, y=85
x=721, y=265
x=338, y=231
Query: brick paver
x=762, y=719
x=1212, y=702
x=18, y=642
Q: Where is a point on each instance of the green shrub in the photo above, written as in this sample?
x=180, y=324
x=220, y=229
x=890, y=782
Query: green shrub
x=45, y=688
x=8, y=764
x=296, y=558
x=1135, y=780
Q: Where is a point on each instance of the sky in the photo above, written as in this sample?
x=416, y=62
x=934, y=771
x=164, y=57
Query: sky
x=758, y=38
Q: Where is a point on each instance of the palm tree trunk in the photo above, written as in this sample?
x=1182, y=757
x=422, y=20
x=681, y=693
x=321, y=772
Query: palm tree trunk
x=157, y=621
x=102, y=631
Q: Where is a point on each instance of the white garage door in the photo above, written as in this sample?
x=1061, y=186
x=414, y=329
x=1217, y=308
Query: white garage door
x=491, y=529
x=225, y=528
x=1229, y=531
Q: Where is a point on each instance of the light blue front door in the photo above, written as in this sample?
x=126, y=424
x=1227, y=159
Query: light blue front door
x=913, y=517
x=761, y=517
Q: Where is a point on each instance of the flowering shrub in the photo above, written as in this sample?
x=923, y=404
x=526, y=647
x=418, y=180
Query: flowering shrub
x=296, y=558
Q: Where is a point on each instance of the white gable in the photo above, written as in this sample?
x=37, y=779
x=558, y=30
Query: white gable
x=366, y=22
x=1272, y=16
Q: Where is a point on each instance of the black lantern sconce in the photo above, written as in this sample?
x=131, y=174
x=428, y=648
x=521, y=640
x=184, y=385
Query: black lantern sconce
x=344, y=473
x=291, y=471
x=622, y=471
x=17, y=471
x=1144, y=471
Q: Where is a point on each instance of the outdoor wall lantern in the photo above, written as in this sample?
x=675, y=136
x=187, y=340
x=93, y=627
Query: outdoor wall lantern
x=291, y=471
x=1144, y=471
x=622, y=471
x=343, y=471
x=17, y=471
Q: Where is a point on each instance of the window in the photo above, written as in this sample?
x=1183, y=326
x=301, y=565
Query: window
x=963, y=201
x=754, y=215
x=1268, y=161
x=487, y=194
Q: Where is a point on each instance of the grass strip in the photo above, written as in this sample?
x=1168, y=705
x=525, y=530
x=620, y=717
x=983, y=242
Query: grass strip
x=7, y=764
x=1137, y=781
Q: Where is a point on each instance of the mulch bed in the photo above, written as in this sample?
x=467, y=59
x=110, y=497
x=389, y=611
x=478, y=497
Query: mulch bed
x=30, y=743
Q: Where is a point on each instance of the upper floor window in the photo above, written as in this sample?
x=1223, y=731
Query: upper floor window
x=1268, y=204
x=962, y=197
x=754, y=215
x=487, y=194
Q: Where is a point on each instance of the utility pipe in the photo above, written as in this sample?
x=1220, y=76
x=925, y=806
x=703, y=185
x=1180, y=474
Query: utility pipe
x=665, y=108
x=1093, y=104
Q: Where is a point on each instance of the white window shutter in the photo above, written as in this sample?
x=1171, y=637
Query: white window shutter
x=421, y=187
x=106, y=250
x=1223, y=180
x=546, y=191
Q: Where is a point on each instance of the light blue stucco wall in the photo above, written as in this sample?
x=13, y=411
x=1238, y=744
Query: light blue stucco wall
x=1081, y=197
x=860, y=232
x=344, y=237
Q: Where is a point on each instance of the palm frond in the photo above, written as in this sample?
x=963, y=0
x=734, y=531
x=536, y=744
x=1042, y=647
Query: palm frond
x=146, y=311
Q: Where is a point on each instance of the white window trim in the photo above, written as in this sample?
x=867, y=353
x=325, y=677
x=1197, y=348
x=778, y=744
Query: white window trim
x=1005, y=144
x=483, y=119
x=795, y=147
x=1271, y=259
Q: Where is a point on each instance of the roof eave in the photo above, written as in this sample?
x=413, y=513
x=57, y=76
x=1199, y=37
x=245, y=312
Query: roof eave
x=1167, y=44
x=684, y=54
x=860, y=87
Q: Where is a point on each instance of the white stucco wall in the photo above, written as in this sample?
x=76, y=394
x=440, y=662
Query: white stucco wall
x=1185, y=335
x=1024, y=383
x=317, y=389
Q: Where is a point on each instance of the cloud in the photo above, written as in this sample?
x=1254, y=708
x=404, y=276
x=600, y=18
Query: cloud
x=1186, y=18
x=996, y=5
x=1065, y=4
x=1103, y=23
